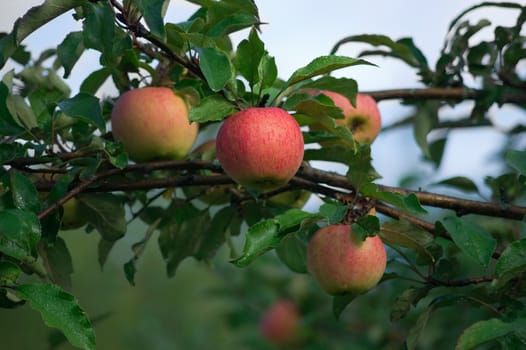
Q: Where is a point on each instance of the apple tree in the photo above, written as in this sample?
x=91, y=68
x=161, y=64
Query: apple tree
x=450, y=245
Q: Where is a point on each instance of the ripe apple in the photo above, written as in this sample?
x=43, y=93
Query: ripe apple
x=260, y=147
x=342, y=263
x=364, y=120
x=281, y=324
x=152, y=123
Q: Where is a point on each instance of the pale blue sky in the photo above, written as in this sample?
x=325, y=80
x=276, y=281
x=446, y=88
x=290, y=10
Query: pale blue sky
x=300, y=30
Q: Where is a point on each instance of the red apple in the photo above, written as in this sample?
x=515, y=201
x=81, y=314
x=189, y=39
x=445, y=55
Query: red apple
x=281, y=325
x=342, y=263
x=364, y=120
x=260, y=147
x=152, y=123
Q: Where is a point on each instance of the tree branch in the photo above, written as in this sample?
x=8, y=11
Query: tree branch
x=451, y=94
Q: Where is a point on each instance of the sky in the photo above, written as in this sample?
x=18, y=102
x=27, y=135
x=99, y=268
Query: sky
x=297, y=31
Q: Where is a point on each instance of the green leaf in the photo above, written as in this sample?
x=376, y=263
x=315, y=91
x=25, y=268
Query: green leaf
x=85, y=107
x=9, y=272
x=472, y=239
x=405, y=234
x=425, y=119
x=19, y=234
x=293, y=251
x=103, y=251
x=268, y=71
x=260, y=238
x=60, y=310
x=70, y=50
x=11, y=151
x=8, y=125
x=488, y=330
x=215, y=235
x=361, y=172
x=211, y=108
x=409, y=203
x=20, y=110
x=344, y=86
x=105, y=212
x=99, y=30
x=459, y=182
x=418, y=327
x=333, y=213
x=512, y=262
x=216, y=67
x=129, y=271
x=366, y=226
x=248, y=57
x=94, y=81
x=403, y=302
x=322, y=65
x=267, y=234
x=340, y=302
x=33, y=19
x=182, y=233
x=517, y=159
x=152, y=11
x=58, y=263
x=22, y=192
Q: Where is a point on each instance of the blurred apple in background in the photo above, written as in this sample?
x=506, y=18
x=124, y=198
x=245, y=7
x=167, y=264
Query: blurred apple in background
x=281, y=324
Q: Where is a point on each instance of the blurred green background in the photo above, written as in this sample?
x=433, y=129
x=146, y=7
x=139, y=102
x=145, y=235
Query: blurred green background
x=218, y=306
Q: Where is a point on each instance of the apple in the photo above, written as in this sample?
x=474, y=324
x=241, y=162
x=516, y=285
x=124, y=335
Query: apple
x=341, y=263
x=260, y=147
x=281, y=324
x=72, y=217
x=152, y=123
x=291, y=199
x=364, y=120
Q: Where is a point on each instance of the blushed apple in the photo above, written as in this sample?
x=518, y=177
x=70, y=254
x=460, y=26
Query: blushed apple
x=342, y=263
x=260, y=147
x=152, y=123
x=364, y=120
x=281, y=324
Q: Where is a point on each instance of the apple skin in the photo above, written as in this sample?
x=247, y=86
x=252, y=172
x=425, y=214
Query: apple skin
x=152, y=123
x=364, y=120
x=260, y=147
x=281, y=324
x=72, y=217
x=341, y=263
x=291, y=199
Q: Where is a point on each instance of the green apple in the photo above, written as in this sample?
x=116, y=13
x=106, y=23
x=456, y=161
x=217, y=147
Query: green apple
x=260, y=147
x=152, y=123
x=72, y=217
x=291, y=199
x=342, y=263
